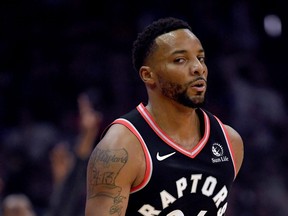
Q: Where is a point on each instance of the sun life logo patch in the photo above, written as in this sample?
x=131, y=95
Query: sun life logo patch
x=218, y=151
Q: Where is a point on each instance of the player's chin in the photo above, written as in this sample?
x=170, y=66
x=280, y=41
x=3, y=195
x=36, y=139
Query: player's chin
x=199, y=101
x=200, y=98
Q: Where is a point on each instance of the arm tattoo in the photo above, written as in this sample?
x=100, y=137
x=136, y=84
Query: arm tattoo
x=104, y=167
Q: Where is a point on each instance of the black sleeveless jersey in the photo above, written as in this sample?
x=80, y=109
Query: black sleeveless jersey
x=180, y=182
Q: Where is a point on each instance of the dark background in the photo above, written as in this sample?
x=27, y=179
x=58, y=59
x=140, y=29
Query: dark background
x=53, y=50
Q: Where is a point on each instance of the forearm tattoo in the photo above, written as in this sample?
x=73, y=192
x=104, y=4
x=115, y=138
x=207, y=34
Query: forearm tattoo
x=104, y=167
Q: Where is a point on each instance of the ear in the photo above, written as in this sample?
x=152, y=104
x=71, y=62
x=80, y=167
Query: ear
x=146, y=75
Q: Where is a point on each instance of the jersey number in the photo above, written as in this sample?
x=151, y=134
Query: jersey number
x=180, y=213
x=220, y=212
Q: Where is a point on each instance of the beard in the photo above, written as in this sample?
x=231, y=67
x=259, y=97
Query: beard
x=179, y=93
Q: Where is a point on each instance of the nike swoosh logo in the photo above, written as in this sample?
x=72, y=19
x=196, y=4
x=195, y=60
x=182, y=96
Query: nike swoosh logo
x=163, y=157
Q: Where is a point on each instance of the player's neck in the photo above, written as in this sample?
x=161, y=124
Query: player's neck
x=173, y=116
x=171, y=111
x=180, y=123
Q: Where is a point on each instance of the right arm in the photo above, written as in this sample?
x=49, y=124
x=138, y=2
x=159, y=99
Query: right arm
x=116, y=164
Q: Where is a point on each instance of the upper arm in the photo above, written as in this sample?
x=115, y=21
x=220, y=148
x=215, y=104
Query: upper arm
x=237, y=147
x=112, y=170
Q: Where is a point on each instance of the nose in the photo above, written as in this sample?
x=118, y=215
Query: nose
x=197, y=67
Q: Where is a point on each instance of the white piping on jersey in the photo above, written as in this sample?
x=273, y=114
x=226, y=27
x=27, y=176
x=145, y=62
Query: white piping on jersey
x=148, y=159
x=192, y=153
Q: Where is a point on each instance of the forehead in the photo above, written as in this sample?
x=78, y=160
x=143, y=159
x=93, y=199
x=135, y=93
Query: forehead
x=178, y=39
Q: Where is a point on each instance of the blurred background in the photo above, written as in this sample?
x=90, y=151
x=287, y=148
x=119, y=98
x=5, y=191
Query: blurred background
x=54, y=51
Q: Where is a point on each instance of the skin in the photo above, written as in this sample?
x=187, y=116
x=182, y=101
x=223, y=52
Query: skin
x=171, y=71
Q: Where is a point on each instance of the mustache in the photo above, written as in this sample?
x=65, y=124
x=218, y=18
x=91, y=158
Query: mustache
x=197, y=79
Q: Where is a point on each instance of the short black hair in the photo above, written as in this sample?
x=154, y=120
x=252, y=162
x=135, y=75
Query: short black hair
x=145, y=40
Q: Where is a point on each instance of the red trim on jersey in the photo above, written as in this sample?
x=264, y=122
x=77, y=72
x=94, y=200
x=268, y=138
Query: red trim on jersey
x=229, y=144
x=148, y=160
x=190, y=153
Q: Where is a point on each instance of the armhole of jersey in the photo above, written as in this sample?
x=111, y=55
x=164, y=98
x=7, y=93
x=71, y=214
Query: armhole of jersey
x=227, y=138
x=148, y=160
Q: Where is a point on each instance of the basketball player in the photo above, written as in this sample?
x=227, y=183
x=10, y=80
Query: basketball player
x=170, y=156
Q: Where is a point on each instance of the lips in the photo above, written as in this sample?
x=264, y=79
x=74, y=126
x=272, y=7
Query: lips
x=199, y=84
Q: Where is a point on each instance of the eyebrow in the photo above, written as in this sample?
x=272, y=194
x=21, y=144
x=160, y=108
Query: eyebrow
x=185, y=51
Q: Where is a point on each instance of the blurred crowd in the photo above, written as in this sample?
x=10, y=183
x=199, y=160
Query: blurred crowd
x=66, y=73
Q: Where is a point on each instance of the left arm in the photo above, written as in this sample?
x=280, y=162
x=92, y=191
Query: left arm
x=237, y=145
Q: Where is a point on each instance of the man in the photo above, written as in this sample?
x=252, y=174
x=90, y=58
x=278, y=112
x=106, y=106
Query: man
x=69, y=167
x=17, y=205
x=169, y=157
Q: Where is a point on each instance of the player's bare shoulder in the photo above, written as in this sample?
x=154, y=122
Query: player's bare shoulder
x=113, y=168
x=113, y=161
x=237, y=145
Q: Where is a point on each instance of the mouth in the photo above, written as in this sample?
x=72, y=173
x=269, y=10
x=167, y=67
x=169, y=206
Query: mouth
x=199, y=84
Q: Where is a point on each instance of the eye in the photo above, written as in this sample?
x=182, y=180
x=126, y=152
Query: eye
x=201, y=59
x=180, y=60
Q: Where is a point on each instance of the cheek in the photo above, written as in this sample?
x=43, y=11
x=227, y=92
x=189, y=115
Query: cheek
x=171, y=73
x=206, y=72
